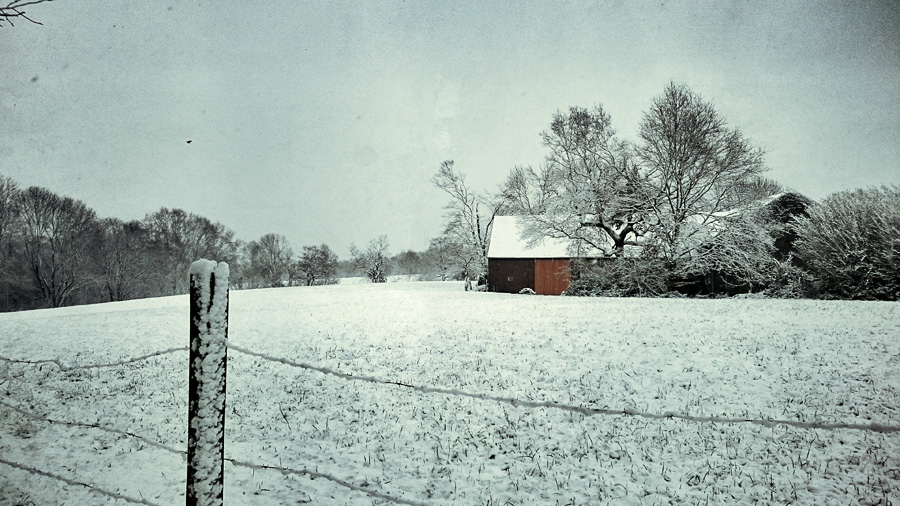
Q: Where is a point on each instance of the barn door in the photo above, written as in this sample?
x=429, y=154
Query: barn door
x=551, y=276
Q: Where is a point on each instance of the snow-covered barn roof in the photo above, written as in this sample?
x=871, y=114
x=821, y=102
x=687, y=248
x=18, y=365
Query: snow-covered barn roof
x=507, y=242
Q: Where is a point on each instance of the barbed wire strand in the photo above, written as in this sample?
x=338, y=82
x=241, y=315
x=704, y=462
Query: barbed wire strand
x=63, y=367
x=51, y=421
x=63, y=479
x=316, y=474
x=240, y=463
x=874, y=427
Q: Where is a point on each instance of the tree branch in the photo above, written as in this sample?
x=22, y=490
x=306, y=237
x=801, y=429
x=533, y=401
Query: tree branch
x=14, y=10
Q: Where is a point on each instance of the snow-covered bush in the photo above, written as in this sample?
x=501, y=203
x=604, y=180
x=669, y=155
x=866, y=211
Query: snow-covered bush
x=788, y=281
x=620, y=277
x=738, y=250
x=850, y=244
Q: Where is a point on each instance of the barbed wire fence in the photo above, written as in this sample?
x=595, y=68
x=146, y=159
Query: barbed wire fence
x=182, y=453
x=586, y=411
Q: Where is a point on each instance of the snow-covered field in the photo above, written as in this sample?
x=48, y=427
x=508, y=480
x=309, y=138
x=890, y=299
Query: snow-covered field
x=804, y=361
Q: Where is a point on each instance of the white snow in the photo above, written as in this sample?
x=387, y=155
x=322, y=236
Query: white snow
x=507, y=242
x=202, y=268
x=211, y=352
x=738, y=358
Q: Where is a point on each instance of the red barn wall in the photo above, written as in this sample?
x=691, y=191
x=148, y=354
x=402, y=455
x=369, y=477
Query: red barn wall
x=552, y=275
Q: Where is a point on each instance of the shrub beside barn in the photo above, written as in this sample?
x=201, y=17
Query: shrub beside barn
x=778, y=212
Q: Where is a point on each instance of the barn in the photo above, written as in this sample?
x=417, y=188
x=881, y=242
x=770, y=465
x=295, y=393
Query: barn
x=513, y=265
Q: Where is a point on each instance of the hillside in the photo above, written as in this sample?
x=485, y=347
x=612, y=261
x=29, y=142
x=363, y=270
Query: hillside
x=623, y=400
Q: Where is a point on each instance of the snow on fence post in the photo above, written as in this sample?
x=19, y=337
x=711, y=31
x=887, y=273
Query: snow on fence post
x=206, y=383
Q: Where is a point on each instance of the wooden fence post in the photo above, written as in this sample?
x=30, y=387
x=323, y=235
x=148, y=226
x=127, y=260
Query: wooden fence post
x=206, y=383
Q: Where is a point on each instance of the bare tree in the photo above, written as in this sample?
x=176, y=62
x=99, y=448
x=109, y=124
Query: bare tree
x=374, y=263
x=13, y=276
x=695, y=165
x=318, y=264
x=125, y=264
x=752, y=189
x=590, y=190
x=409, y=264
x=168, y=238
x=16, y=10
x=238, y=266
x=180, y=238
x=439, y=255
x=470, y=217
x=466, y=260
x=58, y=235
x=9, y=214
x=250, y=273
x=664, y=195
x=274, y=257
x=531, y=192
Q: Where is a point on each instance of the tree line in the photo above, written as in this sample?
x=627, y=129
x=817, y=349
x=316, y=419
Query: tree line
x=441, y=261
x=55, y=251
x=681, y=202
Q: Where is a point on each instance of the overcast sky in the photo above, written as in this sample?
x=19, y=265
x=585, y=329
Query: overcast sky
x=324, y=121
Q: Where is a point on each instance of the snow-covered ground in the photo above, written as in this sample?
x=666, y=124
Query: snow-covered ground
x=805, y=361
